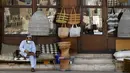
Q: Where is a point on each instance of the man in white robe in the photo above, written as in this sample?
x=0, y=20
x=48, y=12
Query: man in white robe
x=28, y=49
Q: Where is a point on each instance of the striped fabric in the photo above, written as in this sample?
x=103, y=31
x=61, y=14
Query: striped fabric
x=49, y=48
x=112, y=21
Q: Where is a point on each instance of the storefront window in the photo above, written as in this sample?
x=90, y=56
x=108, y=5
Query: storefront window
x=47, y=2
x=29, y=2
x=118, y=2
x=118, y=22
x=16, y=20
x=18, y=2
x=92, y=19
x=92, y=2
x=50, y=14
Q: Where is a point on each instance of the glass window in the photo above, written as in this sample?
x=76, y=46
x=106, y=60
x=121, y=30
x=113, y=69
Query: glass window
x=92, y=2
x=113, y=20
x=19, y=2
x=47, y=2
x=16, y=20
x=50, y=13
x=92, y=19
x=117, y=21
x=118, y=2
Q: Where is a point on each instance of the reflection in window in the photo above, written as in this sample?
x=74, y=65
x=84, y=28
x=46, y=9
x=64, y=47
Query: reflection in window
x=118, y=2
x=16, y=20
x=50, y=13
x=92, y=19
x=116, y=18
x=41, y=22
x=47, y=2
x=113, y=20
x=19, y=2
x=92, y=2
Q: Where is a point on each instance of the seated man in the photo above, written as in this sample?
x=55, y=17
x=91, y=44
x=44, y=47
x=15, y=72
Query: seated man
x=28, y=49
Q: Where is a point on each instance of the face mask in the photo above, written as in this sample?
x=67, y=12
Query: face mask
x=29, y=42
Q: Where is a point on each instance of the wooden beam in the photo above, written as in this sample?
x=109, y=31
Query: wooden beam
x=1, y=27
x=34, y=6
x=104, y=16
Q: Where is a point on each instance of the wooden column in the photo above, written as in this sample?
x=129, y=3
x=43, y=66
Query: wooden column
x=1, y=24
x=34, y=9
x=111, y=41
x=34, y=6
x=104, y=16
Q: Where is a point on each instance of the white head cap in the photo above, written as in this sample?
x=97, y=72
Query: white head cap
x=29, y=36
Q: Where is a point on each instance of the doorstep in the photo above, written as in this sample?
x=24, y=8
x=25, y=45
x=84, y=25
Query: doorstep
x=12, y=66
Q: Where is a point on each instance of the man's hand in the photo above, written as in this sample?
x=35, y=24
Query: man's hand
x=26, y=51
x=31, y=54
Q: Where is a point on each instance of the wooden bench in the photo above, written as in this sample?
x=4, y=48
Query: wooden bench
x=45, y=61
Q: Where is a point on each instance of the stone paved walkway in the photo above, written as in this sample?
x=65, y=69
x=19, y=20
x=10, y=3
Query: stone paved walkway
x=54, y=72
x=12, y=66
